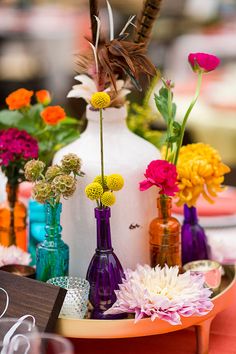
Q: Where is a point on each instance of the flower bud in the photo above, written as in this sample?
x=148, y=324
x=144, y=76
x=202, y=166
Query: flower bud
x=33, y=170
x=42, y=191
x=52, y=172
x=64, y=185
x=71, y=163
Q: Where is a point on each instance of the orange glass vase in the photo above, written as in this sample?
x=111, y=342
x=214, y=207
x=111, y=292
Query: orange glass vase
x=165, y=236
x=13, y=219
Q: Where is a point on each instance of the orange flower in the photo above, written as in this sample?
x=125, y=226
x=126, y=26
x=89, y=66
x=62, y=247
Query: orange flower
x=43, y=96
x=19, y=99
x=53, y=115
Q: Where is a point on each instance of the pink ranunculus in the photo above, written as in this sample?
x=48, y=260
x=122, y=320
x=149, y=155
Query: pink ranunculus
x=162, y=174
x=203, y=62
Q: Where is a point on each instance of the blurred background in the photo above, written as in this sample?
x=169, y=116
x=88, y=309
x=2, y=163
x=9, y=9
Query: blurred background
x=39, y=41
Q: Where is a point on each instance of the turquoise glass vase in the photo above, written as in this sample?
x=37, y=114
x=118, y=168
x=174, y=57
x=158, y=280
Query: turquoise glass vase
x=52, y=255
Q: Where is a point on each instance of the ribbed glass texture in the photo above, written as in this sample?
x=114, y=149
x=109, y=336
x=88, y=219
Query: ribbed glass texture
x=52, y=255
x=105, y=271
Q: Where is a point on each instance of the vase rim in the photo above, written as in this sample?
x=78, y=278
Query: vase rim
x=103, y=212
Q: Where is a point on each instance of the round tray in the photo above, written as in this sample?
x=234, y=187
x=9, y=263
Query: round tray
x=87, y=328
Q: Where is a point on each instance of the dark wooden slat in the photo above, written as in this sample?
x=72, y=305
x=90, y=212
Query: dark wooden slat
x=28, y=296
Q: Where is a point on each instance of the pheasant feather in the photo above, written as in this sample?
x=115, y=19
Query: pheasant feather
x=145, y=22
x=93, y=5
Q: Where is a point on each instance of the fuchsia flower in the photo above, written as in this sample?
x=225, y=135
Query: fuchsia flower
x=203, y=62
x=16, y=145
x=162, y=174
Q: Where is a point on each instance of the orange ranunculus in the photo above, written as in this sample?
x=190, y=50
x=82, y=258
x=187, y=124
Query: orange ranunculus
x=19, y=99
x=53, y=115
x=43, y=96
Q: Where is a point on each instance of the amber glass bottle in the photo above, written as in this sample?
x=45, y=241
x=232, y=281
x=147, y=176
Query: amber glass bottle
x=165, y=236
x=13, y=219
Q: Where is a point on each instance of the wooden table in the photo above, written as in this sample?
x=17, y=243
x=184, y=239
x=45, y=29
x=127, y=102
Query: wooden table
x=91, y=329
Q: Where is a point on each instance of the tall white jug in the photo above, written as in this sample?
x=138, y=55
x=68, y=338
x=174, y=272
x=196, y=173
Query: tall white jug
x=124, y=153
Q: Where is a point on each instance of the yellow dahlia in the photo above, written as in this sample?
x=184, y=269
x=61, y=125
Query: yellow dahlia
x=200, y=171
x=100, y=100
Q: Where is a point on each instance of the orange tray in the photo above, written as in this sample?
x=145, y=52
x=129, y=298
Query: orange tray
x=88, y=328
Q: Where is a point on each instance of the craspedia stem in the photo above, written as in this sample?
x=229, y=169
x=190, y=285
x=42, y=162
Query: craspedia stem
x=101, y=148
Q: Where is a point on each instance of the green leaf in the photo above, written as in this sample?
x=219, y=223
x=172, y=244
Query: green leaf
x=172, y=139
x=162, y=106
x=163, y=92
x=27, y=124
x=174, y=109
x=69, y=121
x=10, y=118
x=176, y=128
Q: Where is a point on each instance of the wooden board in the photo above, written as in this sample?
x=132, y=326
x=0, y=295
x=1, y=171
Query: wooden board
x=28, y=296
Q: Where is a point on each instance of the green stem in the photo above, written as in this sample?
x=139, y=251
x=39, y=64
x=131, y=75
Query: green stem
x=101, y=147
x=194, y=100
x=169, y=106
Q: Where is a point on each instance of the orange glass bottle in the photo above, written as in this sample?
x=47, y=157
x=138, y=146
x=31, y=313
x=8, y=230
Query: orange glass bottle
x=165, y=236
x=13, y=220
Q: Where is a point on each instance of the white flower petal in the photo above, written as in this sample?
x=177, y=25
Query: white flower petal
x=80, y=93
x=87, y=81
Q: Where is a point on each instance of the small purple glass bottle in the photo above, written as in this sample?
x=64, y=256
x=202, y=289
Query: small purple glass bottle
x=105, y=271
x=194, y=241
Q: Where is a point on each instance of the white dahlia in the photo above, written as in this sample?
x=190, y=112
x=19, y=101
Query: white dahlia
x=13, y=255
x=162, y=293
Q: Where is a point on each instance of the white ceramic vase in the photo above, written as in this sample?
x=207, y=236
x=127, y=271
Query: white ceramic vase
x=124, y=153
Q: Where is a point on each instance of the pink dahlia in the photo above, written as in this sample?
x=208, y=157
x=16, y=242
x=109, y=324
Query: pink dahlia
x=162, y=174
x=162, y=293
x=203, y=62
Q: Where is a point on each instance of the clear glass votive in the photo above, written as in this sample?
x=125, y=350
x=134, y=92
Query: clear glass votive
x=76, y=300
x=12, y=329
x=211, y=270
x=41, y=343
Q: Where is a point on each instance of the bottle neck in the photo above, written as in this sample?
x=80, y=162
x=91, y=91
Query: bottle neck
x=164, y=205
x=113, y=118
x=53, y=227
x=12, y=193
x=190, y=215
x=103, y=228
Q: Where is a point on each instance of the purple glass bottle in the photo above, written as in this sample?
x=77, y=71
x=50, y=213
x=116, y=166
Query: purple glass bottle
x=105, y=271
x=194, y=241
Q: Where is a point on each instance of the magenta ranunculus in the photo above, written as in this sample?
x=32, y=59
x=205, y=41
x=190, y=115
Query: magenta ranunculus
x=162, y=174
x=203, y=62
x=16, y=145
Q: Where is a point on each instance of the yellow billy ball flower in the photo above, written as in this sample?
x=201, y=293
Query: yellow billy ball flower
x=98, y=179
x=100, y=100
x=108, y=199
x=93, y=191
x=115, y=182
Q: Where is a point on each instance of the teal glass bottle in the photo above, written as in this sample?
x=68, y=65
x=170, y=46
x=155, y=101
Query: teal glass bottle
x=52, y=255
